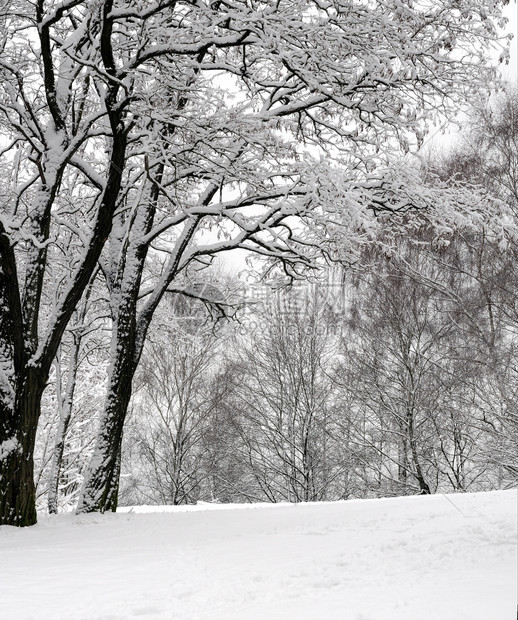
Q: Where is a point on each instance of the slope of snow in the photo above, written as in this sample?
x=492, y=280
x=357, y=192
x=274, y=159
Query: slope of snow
x=415, y=558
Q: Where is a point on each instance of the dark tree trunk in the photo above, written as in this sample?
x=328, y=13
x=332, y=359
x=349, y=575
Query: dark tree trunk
x=17, y=494
x=17, y=489
x=101, y=484
x=20, y=395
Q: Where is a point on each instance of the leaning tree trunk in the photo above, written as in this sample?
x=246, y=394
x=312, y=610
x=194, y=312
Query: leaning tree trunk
x=100, y=488
x=101, y=484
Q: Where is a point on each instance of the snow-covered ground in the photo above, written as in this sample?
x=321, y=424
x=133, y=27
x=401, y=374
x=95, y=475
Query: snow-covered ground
x=417, y=558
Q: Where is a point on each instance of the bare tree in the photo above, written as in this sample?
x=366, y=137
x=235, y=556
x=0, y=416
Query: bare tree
x=166, y=441
x=487, y=154
x=283, y=403
x=414, y=366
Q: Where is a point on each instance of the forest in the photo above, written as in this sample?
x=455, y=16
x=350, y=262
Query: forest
x=233, y=267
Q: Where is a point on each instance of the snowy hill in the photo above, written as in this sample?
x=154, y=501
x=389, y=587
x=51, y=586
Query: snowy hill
x=415, y=558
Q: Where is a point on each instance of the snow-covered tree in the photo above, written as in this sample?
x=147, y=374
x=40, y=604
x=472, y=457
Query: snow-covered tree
x=175, y=120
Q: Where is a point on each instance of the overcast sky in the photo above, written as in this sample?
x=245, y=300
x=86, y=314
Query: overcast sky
x=510, y=71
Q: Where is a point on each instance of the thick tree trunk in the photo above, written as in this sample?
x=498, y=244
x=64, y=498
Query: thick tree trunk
x=26, y=359
x=17, y=489
x=17, y=493
x=101, y=484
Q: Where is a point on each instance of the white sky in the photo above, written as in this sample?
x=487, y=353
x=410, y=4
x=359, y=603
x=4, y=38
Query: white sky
x=510, y=72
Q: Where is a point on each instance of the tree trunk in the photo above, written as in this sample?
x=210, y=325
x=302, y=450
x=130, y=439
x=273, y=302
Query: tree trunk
x=17, y=493
x=101, y=484
x=424, y=488
x=17, y=488
x=20, y=405
x=403, y=460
